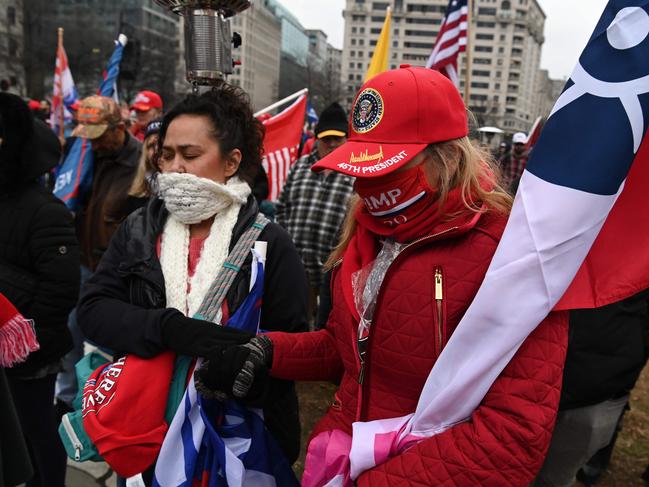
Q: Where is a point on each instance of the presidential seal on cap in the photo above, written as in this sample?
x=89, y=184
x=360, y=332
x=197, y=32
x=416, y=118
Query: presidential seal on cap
x=395, y=116
x=95, y=115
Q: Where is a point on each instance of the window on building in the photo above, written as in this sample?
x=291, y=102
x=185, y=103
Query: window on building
x=506, y=5
x=354, y=30
x=350, y=77
x=356, y=18
x=424, y=21
x=501, y=49
x=353, y=42
x=486, y=11
x=481, y=61
x=361, y=30
x=375, y=30
x=372, y=43
x=352, y=53
x=497, y=86
x=395, y=43
x=380, y=5
x=11, y=15
x=479, y=72
x=478, y=84
x=484, y=37
x=359, y=65
x=418, y=7
x=484, y=49
x=351, y=65
x=486, y=24
x=13, y=47
x=361, y=42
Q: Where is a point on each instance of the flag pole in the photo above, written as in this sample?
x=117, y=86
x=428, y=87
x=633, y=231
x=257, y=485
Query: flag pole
x=468, y=57
x=295, y=95
x=61, y=107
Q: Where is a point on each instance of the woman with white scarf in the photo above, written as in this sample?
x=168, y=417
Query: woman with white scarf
x=163, y=259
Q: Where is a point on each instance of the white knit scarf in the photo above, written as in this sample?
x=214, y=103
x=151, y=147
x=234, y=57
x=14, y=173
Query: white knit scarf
x=174, y=250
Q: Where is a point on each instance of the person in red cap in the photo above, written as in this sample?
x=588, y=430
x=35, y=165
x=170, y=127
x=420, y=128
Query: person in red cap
x=147, y=106
x=416, y=244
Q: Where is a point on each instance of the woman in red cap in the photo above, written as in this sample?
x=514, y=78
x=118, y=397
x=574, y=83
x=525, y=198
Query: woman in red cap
x=415, y=248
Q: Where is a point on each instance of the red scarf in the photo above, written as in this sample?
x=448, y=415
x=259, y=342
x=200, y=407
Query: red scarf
x=428, y=219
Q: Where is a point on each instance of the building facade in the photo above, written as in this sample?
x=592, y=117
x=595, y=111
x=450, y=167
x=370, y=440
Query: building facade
x=506, y=39
x=259, y=54
x=90, y=28
x=12, y=73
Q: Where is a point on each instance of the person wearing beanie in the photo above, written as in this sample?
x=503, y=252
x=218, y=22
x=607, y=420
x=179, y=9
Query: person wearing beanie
x=39, y=274
x=143, y=186
x=312, y=205
x=415, y=248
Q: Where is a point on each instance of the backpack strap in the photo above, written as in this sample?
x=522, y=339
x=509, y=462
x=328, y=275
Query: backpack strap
x=218, y=290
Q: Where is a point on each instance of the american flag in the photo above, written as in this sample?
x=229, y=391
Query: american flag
x=281, y=144
x=451, y=40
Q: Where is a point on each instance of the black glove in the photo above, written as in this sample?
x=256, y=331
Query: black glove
x=198, y=338
x=240, y=371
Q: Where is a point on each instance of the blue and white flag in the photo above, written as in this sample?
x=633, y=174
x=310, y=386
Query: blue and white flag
x=74, y=176
x=214, y=443
x=311, y=116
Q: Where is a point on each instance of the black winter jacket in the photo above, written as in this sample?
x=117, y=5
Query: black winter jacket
x=607, y=350
x=39, y=253
x=123, y=304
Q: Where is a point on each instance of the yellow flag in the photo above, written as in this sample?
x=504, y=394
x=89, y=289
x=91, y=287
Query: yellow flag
x=379, y=61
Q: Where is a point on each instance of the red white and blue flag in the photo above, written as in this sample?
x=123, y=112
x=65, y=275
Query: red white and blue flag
x=64, y=94
x=74, y=177
x=577, y=235
x=451, y=40
x=281, y=144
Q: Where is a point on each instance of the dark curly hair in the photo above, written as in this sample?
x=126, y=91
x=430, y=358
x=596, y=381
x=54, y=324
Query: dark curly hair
x=234, y=126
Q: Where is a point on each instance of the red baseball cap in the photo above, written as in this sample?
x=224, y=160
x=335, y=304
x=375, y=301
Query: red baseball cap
x=395, y=116
x=146, y=100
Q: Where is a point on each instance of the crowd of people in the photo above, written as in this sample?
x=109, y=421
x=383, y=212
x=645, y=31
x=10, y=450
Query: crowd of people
x=381, y=238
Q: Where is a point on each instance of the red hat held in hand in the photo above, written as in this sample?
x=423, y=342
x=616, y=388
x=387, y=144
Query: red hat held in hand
x=17, y=337
x=395, y=116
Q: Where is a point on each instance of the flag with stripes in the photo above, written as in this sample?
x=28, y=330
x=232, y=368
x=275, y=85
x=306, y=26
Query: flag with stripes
x=281, y=144
x=451, y=40
x=74, y=177
x=64, y=94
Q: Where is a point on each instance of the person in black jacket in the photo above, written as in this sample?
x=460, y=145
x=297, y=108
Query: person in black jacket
x=154, y=274
x=39, y=274
x=607, y=350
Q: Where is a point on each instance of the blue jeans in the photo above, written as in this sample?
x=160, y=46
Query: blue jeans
x=66, y=382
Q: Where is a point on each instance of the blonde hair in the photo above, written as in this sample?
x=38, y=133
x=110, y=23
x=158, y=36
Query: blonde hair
x=457, y=163
x=140, y=188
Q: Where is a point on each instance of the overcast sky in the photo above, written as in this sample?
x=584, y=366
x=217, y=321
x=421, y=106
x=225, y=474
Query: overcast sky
x=568, y=26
